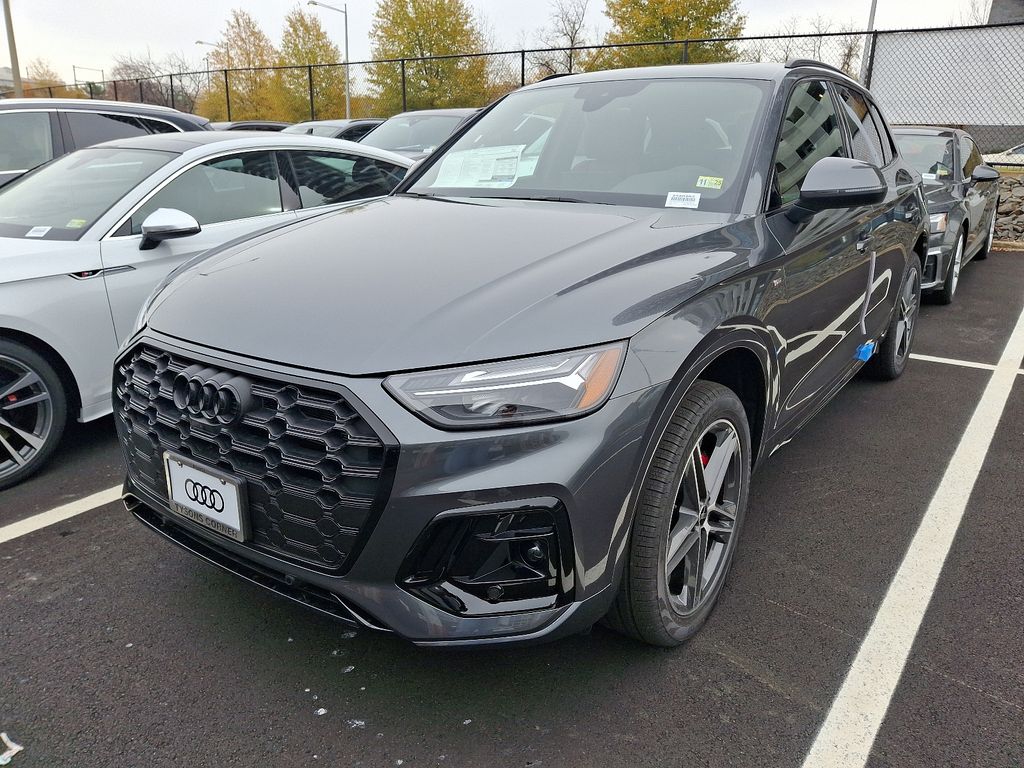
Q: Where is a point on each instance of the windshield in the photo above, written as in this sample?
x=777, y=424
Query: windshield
x=931, y=156
x=679, y=143
x=63, y=199
x=412, y=133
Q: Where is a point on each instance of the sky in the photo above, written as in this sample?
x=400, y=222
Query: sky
x=90, y=34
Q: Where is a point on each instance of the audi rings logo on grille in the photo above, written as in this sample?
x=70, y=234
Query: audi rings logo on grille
x=203, y=494
x=213, y=395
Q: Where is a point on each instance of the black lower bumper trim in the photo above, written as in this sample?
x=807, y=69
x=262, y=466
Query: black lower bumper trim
x=307, y=595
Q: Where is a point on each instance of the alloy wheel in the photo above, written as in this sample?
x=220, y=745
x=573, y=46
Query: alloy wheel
x=907, y=315
x=702, y=532
x=26, y=415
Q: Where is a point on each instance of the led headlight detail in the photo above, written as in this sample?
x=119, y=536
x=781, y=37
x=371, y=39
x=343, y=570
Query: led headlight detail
x=937, y=222
x=511, y=392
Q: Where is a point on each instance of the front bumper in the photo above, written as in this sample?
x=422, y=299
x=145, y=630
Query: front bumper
x=582, y=472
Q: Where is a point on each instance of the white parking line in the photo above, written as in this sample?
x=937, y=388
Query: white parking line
x=58, y=514
x=951, y=361
x=849, y=731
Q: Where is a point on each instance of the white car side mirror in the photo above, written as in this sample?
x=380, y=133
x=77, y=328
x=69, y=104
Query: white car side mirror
x=167, y=224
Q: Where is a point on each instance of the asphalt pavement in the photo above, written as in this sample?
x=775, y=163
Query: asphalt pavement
x=117, y=649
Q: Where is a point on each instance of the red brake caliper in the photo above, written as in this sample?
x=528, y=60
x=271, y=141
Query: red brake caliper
x=704, y=459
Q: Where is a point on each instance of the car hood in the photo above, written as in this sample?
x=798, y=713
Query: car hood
x=403, y=283
x=940, y=197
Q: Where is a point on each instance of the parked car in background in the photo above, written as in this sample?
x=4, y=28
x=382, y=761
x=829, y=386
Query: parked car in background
x=350, y=130
x=86, y=238
x=250, y=125
x=525, y=392
x=962, y=198
x=34, y=131
x=417, y=134
x=1011, y=156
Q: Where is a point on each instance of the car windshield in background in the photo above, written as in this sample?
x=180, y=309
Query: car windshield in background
x=63, y=199
x=412, y=133
x=681, y=143
x=931, y=156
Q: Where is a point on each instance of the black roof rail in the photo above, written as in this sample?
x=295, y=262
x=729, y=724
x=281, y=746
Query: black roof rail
x=554, y=76
x=794, y=63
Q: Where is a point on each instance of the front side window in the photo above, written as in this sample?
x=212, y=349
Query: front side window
x=866, y=142
x=325, y=178
x=88, y=128
x=677, y=143
x=969, y=156
x=63, y=199
x=24, y=140
x=810, y=132
x=223, y=189
x=931, y=156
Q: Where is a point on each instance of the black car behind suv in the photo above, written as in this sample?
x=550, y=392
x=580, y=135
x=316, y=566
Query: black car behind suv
x=34, y=131
x=527, y=391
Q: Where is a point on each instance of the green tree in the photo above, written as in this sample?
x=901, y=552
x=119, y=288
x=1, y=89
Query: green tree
x=412, y=29
x=636, y=21
x=305, y=42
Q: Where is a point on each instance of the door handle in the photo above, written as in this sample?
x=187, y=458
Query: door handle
x=864, y=241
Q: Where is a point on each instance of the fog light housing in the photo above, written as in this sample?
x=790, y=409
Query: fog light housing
x=493, y=561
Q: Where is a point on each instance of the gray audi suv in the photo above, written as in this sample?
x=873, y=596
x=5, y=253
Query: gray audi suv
x=526, y=391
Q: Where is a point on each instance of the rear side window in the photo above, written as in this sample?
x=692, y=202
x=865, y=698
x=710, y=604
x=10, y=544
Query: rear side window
x=24, y=140
x=866, y=142
x=88, y=128
x=329, y=177
x=356, y=132
x=224, y=189
x=810, y=131
x=157, y=126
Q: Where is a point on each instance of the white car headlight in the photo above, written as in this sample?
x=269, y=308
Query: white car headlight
x=512, y=392
x=937, y=222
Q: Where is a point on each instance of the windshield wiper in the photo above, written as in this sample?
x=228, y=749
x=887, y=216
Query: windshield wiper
x=544, y=199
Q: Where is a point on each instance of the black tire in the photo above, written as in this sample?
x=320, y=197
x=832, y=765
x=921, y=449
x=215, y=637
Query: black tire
x=646, y=607
x=42, y=419
x=890, y=360
x=987, y=247
x=952, y=279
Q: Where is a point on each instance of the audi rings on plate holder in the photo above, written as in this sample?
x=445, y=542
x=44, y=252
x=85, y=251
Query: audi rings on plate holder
x=209, y=497
x=214, y=395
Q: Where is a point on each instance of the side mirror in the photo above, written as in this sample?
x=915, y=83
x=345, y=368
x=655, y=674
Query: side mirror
x=840, y=182
x=166, y=224
x=984, y=173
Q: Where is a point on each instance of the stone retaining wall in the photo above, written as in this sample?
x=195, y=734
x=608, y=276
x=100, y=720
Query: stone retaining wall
x=1010, y=224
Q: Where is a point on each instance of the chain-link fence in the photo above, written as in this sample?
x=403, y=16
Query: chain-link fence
x=971, y=77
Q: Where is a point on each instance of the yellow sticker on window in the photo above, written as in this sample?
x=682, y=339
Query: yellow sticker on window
x=710, y=182
x=76, y=224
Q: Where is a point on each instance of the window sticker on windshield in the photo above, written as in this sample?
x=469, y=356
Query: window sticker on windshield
x=929, y=176
x=76, y=224
x=683, y=200
x=493, y=167
x=710, y=182
x=37, y=232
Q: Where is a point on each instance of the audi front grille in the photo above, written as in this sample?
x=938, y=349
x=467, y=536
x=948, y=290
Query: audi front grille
x=317, y=473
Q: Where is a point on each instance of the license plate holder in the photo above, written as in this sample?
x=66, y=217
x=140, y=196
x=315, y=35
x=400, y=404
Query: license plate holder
x=207, y=496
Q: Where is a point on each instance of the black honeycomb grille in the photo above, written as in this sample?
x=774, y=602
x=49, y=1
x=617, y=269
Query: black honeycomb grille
x=314, y=467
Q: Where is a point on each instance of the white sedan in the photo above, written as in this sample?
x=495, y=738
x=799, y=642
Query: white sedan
x=1011, y=156
x=85, y=239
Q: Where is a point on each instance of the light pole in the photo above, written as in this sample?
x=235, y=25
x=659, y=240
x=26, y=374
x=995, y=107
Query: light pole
x=344, y=10
x=221, y=46
x=869, y=46
x=15, y=71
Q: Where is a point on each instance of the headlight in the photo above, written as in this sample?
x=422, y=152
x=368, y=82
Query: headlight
x=512, y=392
x=937, y=222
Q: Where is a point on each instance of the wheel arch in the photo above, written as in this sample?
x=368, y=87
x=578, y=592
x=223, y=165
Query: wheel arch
x=54, y=358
